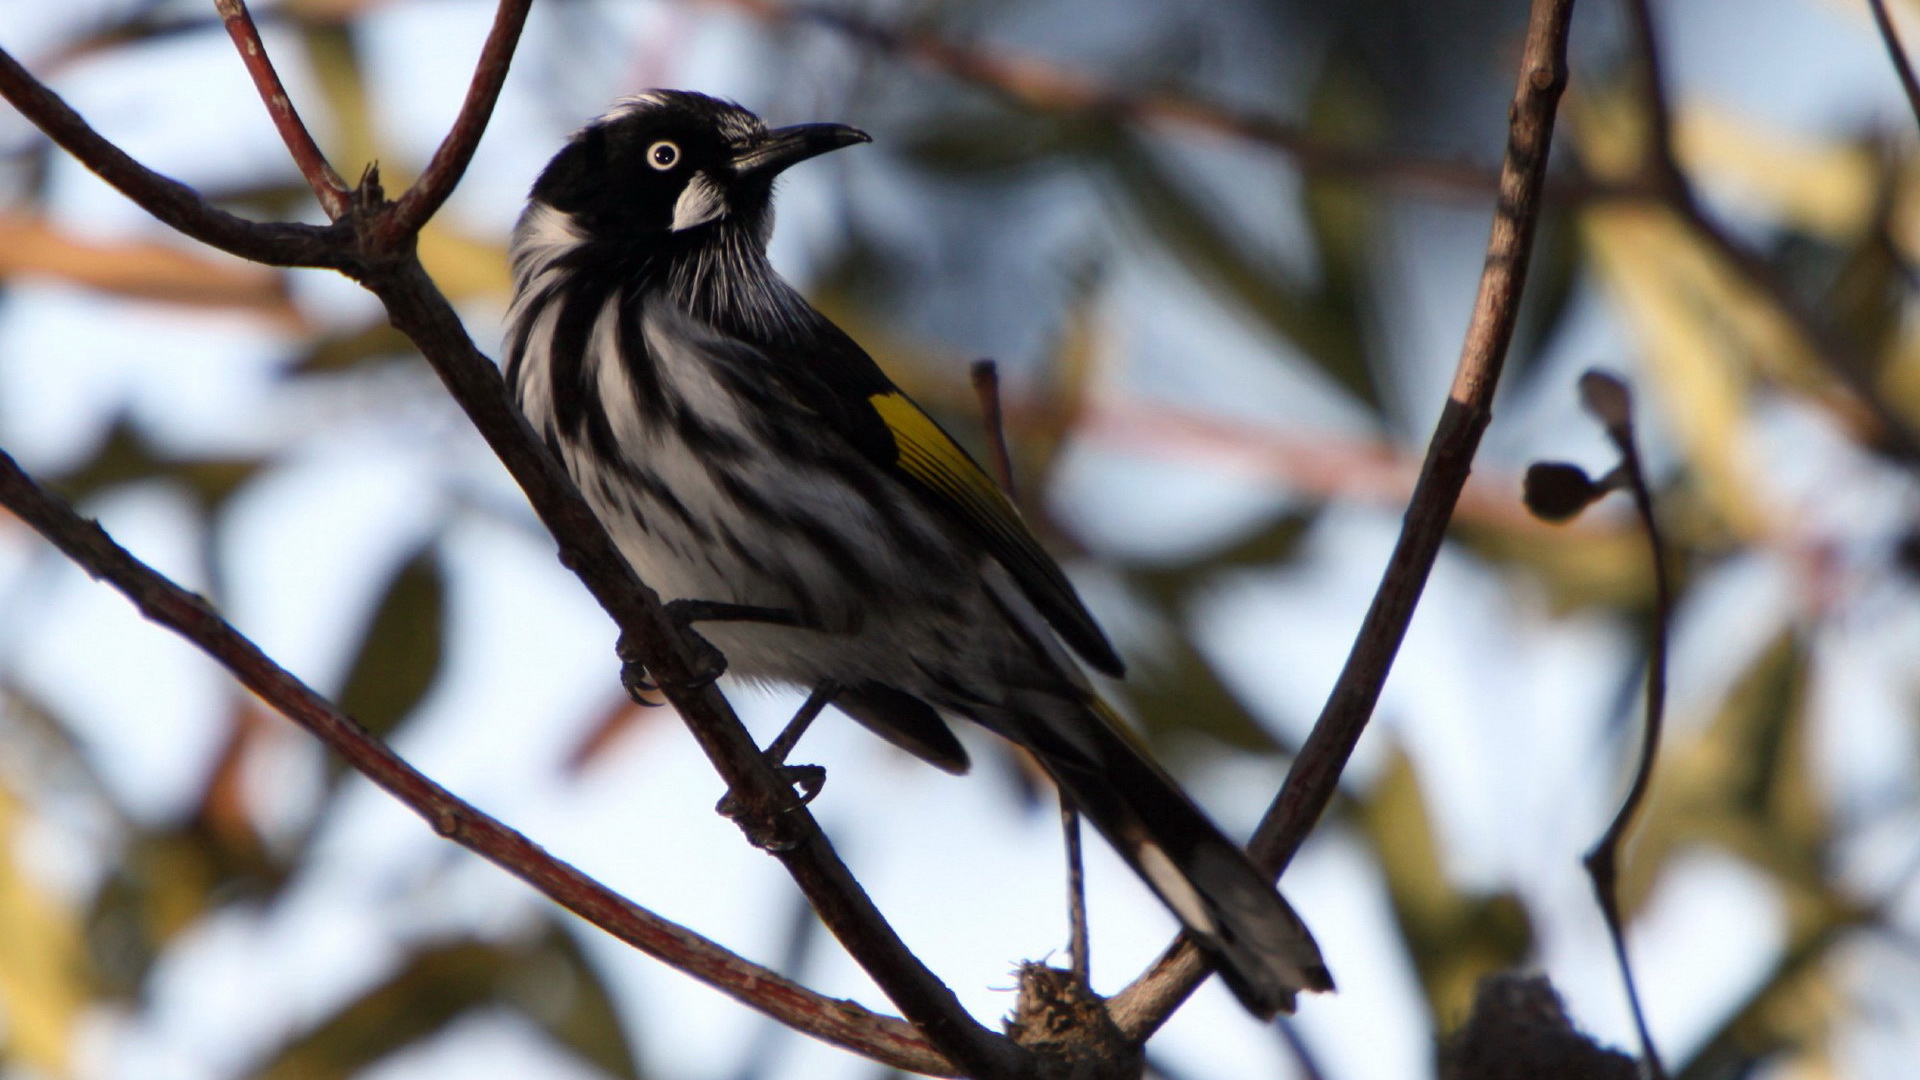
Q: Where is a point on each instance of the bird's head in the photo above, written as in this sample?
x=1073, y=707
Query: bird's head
x=673, y=162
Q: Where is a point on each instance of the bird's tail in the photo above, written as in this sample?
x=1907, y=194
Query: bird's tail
x=1256, y=942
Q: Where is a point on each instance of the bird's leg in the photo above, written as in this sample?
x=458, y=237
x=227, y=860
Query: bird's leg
x=709, y=663
x=1077, y=942
x=807, y=778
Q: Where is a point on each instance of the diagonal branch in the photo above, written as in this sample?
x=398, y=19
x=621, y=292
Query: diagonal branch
x=325, y=182
x=361, y=246
x=160, y=600
x=1311, y=783
x=450, y=160
x=1883, y=19
x=174, y=203
x=421, y=312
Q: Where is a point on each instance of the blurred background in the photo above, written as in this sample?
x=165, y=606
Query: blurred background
x=1226, y=331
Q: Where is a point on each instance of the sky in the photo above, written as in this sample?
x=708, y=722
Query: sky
x=1522, y=772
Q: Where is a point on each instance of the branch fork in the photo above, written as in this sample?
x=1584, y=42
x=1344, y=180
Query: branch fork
x=372, y=239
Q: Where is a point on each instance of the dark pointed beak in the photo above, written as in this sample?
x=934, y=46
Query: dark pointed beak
x=780, y=148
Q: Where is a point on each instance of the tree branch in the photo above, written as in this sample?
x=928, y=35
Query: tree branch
x=174, y=203
x=1901, y=65
x=450, y=159
x=1312, y=781
x=313, y=165
x=364, y=246
x=419, y=310
x=843, y=1023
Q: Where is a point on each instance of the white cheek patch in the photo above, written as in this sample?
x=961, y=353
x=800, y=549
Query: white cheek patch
x=701, y=202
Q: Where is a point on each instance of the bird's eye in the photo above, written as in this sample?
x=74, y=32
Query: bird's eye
x=663, y=155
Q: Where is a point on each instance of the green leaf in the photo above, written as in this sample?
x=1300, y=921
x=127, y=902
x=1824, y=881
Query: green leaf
x=434, y=988
x=1179, y=693
x=1316, y=318
x=401, y=654
x=554, y=985
x=125, y=456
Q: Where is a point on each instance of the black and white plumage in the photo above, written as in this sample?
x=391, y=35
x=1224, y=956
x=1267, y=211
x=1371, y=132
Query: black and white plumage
x=741, y=449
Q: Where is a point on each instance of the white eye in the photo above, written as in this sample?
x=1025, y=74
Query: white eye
x=663, y=155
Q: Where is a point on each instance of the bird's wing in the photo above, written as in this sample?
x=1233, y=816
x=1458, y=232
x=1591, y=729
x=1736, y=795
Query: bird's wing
x=844, y=384
x=930, y=458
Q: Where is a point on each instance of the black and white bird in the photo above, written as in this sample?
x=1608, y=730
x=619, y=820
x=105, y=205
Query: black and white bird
x=744, y=451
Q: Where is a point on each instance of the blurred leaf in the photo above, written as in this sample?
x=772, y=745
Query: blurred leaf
x=44, y=976
x=1688, y=316
x=462, y=266
x=1297, y=312
x=1553, y=276
x=435, y=987
x=1342, y=219
x=991, y=143
x=350, y=136
x=1806, y=183
x=557, y=987
x=400, y=655
x=548, y=980
x=1453, y=938
x=1866, y=298
x=165, y=882
x=344, y=351
x=1601, y=562
x=1179, y=693
x=125, y=456
x=1743, y=785
x=143, y=270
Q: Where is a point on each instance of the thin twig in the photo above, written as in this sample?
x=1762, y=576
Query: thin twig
x=450, y=159
x=320, y=175
x=420, y=311
x=1314, y=777
x=1607, y=399
x=986, y=387
x=393, y=272
x=163, y=602
x=1895, y=51
x=173, y=203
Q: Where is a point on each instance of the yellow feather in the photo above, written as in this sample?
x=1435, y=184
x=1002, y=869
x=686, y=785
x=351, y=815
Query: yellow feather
x=929, y=456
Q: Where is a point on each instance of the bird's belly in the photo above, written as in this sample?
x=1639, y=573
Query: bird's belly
x=874, y=584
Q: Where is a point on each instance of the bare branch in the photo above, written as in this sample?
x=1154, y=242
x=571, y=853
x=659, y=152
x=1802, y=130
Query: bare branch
x=840, y=1022
x=325, y=182
x=174, y=203
x=1311, y=783
x=362, y=248
x=1608, y=400
x=450, y=160
x=1898, y=54
x=420, y=311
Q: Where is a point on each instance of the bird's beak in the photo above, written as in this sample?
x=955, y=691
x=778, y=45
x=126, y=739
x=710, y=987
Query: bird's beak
x=780, y=148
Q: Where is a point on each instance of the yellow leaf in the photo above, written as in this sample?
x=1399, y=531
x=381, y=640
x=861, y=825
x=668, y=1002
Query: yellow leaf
x=43, y=982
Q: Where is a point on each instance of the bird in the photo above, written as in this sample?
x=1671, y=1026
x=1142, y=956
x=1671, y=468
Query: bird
x=756, y=467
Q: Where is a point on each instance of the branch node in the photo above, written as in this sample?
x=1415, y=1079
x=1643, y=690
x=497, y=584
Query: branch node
x=1068, y=1028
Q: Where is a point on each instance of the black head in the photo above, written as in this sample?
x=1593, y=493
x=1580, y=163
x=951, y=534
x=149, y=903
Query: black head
x=675, y=162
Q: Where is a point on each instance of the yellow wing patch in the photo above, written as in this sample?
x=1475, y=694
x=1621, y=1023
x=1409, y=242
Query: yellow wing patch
x=929, y=456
